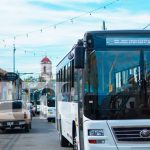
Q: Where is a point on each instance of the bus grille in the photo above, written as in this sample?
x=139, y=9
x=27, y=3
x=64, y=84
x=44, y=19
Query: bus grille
x=132, y=134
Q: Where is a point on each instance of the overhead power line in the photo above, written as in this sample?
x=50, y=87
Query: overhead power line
x=60, y=23
x=148, y=25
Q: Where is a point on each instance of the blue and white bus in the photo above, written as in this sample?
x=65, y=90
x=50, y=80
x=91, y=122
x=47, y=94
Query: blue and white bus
x=103, y=92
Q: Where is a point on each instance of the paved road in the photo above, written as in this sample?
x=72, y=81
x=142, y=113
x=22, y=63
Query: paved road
x=43, y=136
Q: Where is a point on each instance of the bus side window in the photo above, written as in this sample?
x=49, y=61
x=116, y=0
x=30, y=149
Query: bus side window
x=72, y=73
x=72, y=80
x=68, y=77
x=64, y=85
x=58, y=84
x=75, y=88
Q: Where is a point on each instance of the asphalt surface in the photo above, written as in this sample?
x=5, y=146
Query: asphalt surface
x=43, y=136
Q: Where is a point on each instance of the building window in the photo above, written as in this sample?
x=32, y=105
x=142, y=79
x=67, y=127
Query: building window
x=44, y=69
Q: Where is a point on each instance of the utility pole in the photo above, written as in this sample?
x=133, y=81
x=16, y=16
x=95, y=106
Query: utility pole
x=104, y=26
x=14, y=50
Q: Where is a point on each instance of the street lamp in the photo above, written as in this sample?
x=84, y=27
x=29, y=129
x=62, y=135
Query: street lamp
x=14, y=50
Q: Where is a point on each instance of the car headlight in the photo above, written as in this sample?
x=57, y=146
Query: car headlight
x=95, y=132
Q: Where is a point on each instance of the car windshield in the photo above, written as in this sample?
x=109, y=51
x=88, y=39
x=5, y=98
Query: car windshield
x=121, y=85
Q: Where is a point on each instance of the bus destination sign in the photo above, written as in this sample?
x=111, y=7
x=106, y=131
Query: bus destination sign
x=124, y=41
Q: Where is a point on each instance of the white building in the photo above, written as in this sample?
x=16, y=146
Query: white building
x=46, y=69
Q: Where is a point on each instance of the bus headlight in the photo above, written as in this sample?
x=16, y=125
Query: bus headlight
x=95, y=132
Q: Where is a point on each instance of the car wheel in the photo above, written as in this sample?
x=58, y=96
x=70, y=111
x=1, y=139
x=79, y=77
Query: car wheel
x=30, y=126
x=53, y=120
x=26, y=128
x=3, y=131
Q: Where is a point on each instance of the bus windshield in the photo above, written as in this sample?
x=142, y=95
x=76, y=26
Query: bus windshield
x=51, y=103
x=121, y=85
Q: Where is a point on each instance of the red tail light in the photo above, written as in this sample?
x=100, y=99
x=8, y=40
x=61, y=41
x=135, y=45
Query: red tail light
x=92, y=141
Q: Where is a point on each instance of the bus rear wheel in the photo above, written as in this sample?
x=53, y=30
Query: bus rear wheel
x=63, y=141
x=75, y=145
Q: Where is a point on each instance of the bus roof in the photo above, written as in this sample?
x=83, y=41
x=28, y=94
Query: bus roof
x=106, y=33
x=117, y=32
x=66, y=55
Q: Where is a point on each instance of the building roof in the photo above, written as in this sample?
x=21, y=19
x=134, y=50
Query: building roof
x=2, y=72
x=45, y=60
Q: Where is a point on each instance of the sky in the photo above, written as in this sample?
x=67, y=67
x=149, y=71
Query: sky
x=40, y=28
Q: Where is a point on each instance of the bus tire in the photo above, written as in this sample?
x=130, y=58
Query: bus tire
x=49, y=119
x=75, y=145
x=63, y=141
x=27, y=128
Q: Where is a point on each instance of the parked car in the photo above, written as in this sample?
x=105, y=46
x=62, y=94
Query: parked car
x=14, y=114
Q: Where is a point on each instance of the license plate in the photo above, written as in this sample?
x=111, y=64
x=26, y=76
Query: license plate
x=21, y=123
x=10, y=123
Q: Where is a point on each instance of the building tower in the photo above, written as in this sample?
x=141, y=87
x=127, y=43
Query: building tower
x=46, y=69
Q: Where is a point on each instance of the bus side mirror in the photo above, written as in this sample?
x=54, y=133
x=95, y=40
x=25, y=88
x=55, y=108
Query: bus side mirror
x=79, y=57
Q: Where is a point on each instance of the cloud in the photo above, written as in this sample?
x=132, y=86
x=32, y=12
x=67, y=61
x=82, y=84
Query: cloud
x=19, y=17
x=68, y=1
